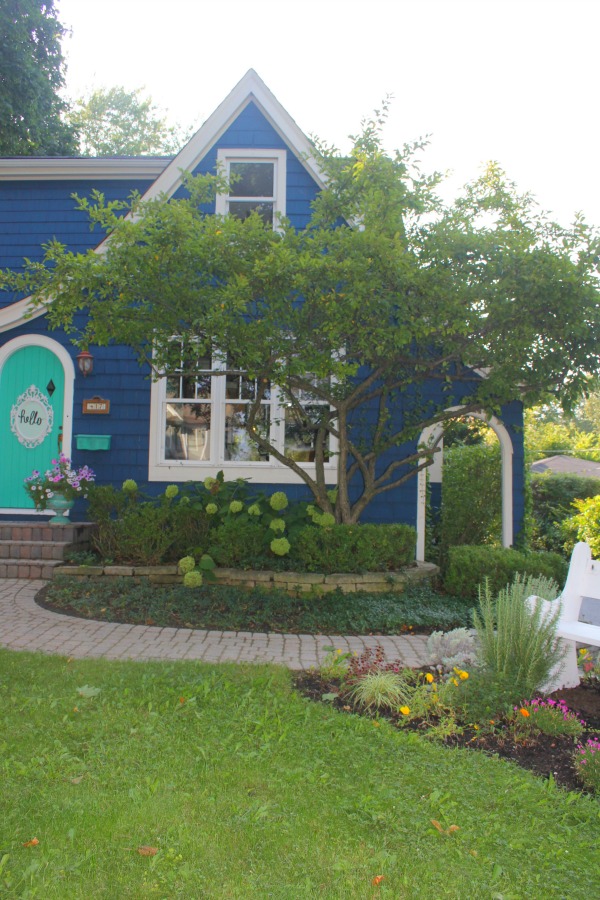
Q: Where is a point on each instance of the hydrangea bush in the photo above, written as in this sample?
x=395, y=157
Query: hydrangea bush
x=239, y=527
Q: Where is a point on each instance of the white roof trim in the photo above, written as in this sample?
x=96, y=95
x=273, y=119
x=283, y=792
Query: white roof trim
x=18, y=313
x=62, y=168
x=250, y=88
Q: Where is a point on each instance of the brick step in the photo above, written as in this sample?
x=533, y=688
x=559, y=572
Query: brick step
x=73, y=533
x=28, y=568
x=39, y=550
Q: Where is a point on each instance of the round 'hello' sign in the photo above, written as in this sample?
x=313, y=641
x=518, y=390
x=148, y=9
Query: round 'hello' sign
x=31, y=417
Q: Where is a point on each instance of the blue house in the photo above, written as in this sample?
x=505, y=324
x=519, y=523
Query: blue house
x=116, y=419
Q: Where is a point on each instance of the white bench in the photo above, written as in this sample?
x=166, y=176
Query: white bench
x=583, y=583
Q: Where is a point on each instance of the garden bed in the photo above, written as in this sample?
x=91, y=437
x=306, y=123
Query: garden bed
x=418, y=609
x=548, y=756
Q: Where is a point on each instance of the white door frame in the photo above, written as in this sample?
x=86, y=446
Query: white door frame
x=40, y=340
x=433, y=434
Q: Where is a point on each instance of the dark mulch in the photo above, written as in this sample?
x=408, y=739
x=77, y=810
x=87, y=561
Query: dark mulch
x=543, y=755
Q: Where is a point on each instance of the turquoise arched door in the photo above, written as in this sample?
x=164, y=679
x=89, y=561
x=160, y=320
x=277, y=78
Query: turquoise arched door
x=32, y=392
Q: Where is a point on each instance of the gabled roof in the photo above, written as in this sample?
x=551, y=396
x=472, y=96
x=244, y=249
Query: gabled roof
x=250, y=89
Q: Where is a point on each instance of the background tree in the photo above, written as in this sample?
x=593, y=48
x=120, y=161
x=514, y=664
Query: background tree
x=393, y=303
x=31, y=76
x=548, y=432
x=116, y=122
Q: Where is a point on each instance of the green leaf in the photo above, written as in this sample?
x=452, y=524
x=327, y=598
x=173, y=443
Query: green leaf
x=87, y=691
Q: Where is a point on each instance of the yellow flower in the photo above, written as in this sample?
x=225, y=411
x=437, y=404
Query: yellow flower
x=454, y=681
x=429, y=678
x=582, y=651
x=463, y=676
x=405, y=710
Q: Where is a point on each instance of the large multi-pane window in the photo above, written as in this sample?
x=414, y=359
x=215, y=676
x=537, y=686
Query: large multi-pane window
x=205, y=405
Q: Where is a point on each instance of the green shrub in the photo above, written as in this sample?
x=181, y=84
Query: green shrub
x=353, y=548
x=585, y=526
x=552, y=503
x=518, y=643
x=144, y=532
x=239, y=543
x=485, y=697
x=471, y=496
x=468, y=567
x=239, y=530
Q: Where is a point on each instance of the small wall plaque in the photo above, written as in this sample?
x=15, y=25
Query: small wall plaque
x=96, y=406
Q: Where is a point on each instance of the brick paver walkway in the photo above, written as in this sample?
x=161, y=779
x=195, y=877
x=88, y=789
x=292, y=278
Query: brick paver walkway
x=26, y=626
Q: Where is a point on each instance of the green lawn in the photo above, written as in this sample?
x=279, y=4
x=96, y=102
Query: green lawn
x=248, y=790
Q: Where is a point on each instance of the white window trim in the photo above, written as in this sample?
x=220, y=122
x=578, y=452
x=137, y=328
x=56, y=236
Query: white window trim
x=279, y=159
x=271, y=472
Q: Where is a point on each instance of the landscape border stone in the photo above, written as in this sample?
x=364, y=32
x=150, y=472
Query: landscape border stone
x=292, y=582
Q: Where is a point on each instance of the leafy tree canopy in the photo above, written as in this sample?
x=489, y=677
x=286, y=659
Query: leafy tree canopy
x=116, y=122
x=386, y=294
x=31, y=75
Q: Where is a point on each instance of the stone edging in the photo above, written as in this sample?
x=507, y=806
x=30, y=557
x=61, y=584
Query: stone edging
x=293, y=582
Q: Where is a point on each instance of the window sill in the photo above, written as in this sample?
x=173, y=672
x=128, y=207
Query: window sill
x=258, y=473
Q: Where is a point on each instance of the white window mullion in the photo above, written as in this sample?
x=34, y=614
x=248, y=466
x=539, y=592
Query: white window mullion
x=218, y=398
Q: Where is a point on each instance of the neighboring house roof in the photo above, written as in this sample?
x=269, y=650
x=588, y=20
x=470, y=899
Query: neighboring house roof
x=567, y=465
x=167, y=173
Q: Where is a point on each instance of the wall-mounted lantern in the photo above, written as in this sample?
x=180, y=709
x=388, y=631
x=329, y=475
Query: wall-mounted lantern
x=85, y=362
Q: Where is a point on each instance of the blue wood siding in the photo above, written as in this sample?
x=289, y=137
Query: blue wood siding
x=253, y=131
x=34, y=212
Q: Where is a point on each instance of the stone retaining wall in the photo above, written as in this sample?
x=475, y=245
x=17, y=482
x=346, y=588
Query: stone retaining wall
x=293, y=582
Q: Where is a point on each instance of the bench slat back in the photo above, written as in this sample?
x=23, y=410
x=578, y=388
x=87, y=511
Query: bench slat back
x=583, y=580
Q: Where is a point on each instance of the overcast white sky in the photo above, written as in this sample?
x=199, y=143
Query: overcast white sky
x=515, y=81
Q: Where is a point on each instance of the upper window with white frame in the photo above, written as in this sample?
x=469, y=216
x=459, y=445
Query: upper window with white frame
x=257, y=184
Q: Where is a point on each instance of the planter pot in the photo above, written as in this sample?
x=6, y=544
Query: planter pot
x=59, y=505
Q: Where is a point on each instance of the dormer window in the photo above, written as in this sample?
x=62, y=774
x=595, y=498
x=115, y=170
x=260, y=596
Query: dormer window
x=257, y=183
